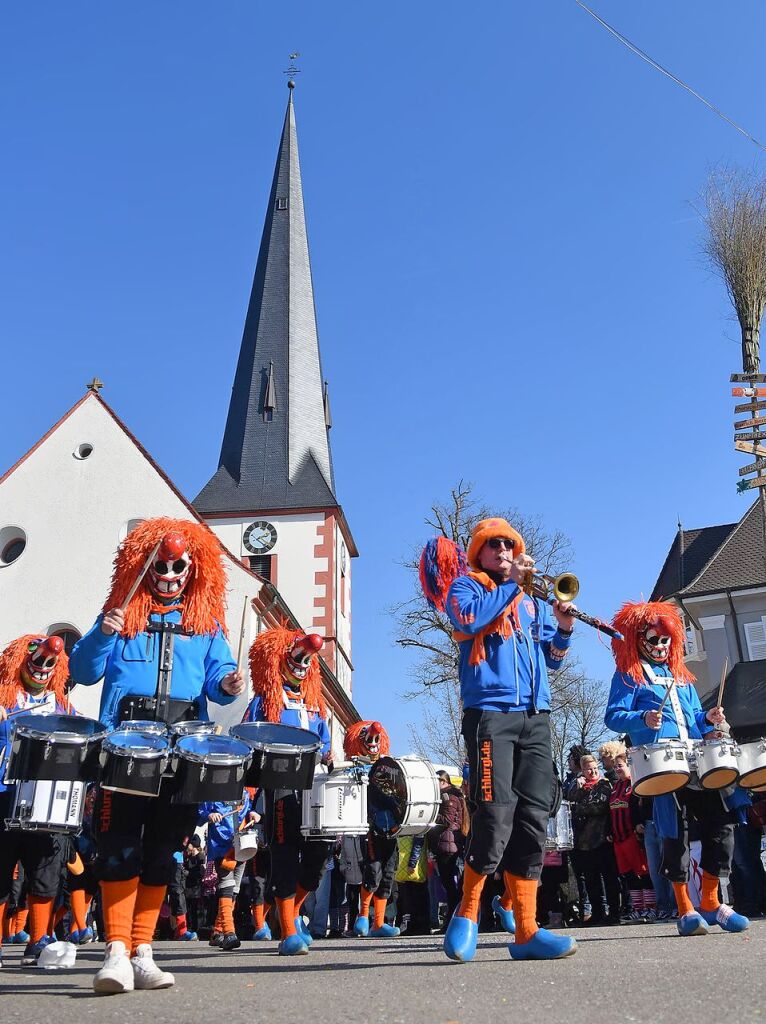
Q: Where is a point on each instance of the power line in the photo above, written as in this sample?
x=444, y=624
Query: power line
x=668, y=74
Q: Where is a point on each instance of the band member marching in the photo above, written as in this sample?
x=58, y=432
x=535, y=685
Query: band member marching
x=33, y=676
x=175, y=616
x=288, y=690
x=508, y=641
x=652, y=699
x=368, y=741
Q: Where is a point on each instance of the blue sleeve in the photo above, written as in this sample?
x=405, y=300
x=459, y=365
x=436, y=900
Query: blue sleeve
x=219, y=661
x=619, y=716
x=203, y=811
x=322, y=731
x=470, y=607
x=254, y=712
x=555, y=644
x=91, y=654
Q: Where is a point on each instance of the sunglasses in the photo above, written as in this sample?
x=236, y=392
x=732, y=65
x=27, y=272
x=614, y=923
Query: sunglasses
x=500, y=542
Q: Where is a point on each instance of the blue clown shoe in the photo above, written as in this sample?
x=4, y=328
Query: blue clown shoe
x=507, y=920
x=86, y=936
x=362, y=926
x=19, y=939
x=33, y=950
x=74, y=937
x=727, y=918
x=460, y=939
x=186, y=936
x=386, y=931
x=692, y=924
x=293, y=945
x=263, y=934
x=543, y=945
x=302, y=930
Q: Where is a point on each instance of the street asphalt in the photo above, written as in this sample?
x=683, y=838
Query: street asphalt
x=638, y=973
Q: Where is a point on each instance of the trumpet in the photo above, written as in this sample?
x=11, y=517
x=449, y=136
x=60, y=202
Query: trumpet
x=564, y=587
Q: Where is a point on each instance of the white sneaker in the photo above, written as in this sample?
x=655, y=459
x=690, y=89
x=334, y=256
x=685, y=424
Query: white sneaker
x=146, y=973
x=117, y=974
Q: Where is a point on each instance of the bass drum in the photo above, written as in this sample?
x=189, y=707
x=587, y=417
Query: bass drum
x=403, y=797
x=336, y=805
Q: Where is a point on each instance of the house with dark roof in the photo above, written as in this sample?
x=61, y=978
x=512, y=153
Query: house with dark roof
x=717, y=576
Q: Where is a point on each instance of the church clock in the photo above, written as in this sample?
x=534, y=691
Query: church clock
x=260, y=537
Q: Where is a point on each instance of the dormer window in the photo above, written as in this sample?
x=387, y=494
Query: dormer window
x=281, y=202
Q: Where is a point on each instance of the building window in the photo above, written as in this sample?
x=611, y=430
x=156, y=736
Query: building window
x=83, y=451
x=67, y=632
x=13, y=540
x=261, y=564
x=281, y=202
x=755, y=636
x=690, y=637
x=129, y=527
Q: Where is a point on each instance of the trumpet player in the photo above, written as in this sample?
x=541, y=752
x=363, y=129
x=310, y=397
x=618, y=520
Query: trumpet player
x=508, y=641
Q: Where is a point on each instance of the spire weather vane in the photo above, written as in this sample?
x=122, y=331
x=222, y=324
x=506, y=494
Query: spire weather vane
x=292, y=70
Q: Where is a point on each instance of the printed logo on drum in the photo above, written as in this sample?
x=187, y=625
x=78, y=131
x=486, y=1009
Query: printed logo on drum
x=340, y=804
x=485, y=770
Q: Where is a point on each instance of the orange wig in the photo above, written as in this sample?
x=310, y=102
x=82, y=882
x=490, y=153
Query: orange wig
x=353, y=741
x=631, y=620
x=12, y=661
x=203, y=607
x=267, y=659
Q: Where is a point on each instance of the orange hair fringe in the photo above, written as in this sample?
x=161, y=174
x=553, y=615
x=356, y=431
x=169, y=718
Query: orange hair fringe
x=267, y=655
x=11, y=661
x=353, y=744
x=631, y=620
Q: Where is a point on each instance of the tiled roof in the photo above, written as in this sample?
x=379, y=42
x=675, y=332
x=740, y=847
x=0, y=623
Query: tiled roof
x=698, y=548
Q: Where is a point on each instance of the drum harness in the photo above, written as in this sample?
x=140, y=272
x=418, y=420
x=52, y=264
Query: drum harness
x=162, y=707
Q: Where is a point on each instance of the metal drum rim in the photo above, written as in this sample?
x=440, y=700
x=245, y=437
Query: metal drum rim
x=23, y=727
x=146, y=752
x=220, y=758
x=311, y=746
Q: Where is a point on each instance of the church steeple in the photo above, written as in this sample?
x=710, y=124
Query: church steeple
x=276, y=449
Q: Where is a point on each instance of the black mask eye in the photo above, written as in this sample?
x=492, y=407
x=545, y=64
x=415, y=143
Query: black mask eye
x=161, y=568
x=179, y=565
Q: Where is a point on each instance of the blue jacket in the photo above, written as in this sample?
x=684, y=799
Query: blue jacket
x=27, y=702
x=220, y=834
x=129, y=666
x=628, y=702
x=514, y=675
x=316, y=723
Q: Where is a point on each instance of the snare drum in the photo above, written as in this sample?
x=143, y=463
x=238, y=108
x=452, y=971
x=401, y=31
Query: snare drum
x=336, y=804
x=149, y=726
x=658, y=768
x=403, y=798
x=209, y=767
x=752, y=764
x=560, y=835
x=54, y=748
x=284, y=757
x=191, y=728
x=133, y=762
x=245, y=845
x=48, y=806
x=716, y=762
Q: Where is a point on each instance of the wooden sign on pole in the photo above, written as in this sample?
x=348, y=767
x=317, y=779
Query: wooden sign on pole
x=748, y=378
x=748, y=392
x=750, y=406
x=750, y=449
x=743, y=424
x=754, y=467
x=757, y=481
x=750, y=435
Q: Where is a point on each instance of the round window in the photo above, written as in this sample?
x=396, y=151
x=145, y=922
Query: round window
x=83, y=451
x=13, y=540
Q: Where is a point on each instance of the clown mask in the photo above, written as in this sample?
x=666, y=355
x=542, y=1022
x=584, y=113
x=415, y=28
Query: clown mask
x=655, y=644
x=298, y=661
x=370, y=737
x=38, y=668
x=170, y=571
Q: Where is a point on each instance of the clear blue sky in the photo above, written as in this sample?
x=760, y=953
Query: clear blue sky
x=504, y=254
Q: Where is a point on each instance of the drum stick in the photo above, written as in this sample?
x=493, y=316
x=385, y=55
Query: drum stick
x=139, y=578
x=665, y=698
x=723, y=681
x=242, y=631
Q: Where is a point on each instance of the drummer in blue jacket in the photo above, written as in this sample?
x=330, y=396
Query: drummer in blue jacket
x=653, y=699
x=220, y=819
x=166, y=606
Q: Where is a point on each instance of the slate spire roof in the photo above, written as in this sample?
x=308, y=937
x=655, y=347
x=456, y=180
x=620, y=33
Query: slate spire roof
x=276, y=449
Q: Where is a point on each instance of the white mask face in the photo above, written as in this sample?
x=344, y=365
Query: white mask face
x=655, y=645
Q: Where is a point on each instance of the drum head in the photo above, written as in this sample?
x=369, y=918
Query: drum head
x=148, y=726
x=180, y=729
x=387, y=796
x=129, y=743
x=212, y=749
x=272, y=736
x=59, y=728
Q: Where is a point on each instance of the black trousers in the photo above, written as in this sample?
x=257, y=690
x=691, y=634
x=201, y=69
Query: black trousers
x=41, y=854
x=601, y=881
x=294, y=860
x=138, y=835
x=449, y=873
x=259, y=868
x=716, y=832
x=381, y=859
x=511, y=779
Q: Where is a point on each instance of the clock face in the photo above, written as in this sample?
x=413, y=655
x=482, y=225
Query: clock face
x=260, y=537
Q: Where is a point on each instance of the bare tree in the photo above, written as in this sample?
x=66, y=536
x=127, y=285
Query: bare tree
x=733, y=207
x=434, y=673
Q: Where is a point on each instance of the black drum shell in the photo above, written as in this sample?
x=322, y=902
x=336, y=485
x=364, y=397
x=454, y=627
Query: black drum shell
x=279, y=769
x=67, y=761
x=196, y=783
x=143, y=779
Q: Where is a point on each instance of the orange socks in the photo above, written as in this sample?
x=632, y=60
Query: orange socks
x=709, y=888
x=506, y=900
x=524, y=897
x=218, y=926
x=40, y=910
x=226, y=905
x=379, y=904
x=149, y=899
x=473, y=883
x=683, y=902
x=259, y=915
x=300, y=896
x=365, y=899
x=19, y=921
x=118, y=903
x=286, y=911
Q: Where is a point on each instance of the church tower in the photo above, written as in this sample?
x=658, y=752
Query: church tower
x=272, y=499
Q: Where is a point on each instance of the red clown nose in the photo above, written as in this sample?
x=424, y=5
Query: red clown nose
x=53, y=645
x=312, y=643
x=173, y=546
x=375, y=729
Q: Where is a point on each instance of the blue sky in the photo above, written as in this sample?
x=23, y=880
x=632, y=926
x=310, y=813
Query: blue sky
x=504, y=254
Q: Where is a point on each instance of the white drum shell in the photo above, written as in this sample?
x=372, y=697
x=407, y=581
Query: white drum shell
x=716, y=761
x=752, y=764
x=560, y=834
x=658, y=768
x=336, y=804
x=423, y=795
x=48, y=806
x=245, y=845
